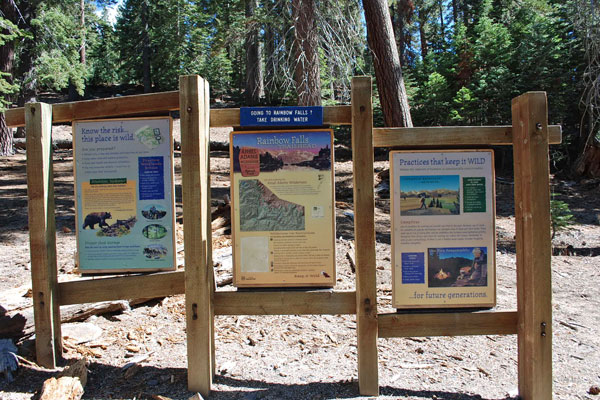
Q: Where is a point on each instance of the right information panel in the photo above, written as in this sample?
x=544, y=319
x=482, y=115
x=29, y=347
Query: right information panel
x=443, y=231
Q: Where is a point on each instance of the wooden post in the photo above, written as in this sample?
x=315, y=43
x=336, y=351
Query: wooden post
x=364, y=236
x=532, y=216
x=42, y=233
x=199, y=295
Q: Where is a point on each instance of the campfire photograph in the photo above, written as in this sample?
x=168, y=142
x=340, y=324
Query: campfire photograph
x=457, y=267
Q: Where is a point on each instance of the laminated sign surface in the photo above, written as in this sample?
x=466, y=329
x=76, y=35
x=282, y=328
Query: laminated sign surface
x=282, y=208
x=124, y=195
x=443, y=230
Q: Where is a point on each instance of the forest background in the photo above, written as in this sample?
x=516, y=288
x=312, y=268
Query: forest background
x=436, y=62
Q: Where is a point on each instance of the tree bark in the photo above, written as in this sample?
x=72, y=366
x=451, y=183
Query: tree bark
x=388, y=71
x=401, y=20
x=455, y=12
x=146, y=80
x=254, y=74
x=442, y=26
x=7, y=57
x=422, y=36
x=269, y=52
x=6, y=138
x=82, y=27
x=588, y=163
x=307, y=73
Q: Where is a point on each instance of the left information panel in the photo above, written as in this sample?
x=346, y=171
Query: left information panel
x=124, y=195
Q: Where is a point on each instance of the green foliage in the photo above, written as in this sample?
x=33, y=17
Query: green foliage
x=496, y=51
x=183, y=38
x=104, y=57
x=434, y=105
x=561, y=216
x=8, y=32
x=474, y=65
x=464, y=107
x=58, y=38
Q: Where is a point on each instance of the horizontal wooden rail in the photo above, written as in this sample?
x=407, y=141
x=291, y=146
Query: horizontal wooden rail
x=285, y=303
x=141, y=104
x=448, y=324
x=452, y=135
x=121, y=288
x=149, y=104
x=226, y=303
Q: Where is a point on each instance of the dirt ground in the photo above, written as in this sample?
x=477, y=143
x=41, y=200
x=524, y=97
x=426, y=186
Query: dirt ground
x=297, y=357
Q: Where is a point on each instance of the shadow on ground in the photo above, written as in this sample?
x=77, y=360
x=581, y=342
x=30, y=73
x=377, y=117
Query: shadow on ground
x=106, y=381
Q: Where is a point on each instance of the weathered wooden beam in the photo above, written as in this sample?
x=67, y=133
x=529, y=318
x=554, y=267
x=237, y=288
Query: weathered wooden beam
x=195, y=188
x=121, y=288
x=364, y=231
x=452, y=135
x=284, y=303
x=42, y=234
x=448, y=324
x=140, y=104
x=149, y=104
x=534, y=244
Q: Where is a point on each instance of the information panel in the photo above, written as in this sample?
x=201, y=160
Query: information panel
x=283, y=214
x=443, y=229
x=125, y=218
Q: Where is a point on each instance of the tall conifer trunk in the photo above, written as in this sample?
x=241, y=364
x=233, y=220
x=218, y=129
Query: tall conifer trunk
x=254, y=74
x=146, y=80
x=307, y=73
x=7, y=56
x=388, y=71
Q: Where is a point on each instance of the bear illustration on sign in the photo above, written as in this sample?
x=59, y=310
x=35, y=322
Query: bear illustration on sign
x=96, y=218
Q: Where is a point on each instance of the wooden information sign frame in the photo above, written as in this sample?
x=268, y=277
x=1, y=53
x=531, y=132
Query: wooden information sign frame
x=530, y=136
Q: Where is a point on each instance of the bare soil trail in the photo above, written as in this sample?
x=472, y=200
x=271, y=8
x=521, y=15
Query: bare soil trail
x=297, y=357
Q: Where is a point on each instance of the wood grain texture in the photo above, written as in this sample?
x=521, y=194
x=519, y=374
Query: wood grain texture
x=199, y=278
x=447, y=324
x=451, y=135
x=42, y=234
x=532, y=216
x=136, y=105
x=152, y=104
x=284, y=303
x=364, y=236
x=121, y=288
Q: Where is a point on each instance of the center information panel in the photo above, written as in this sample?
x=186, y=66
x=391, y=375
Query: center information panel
x=282, y=208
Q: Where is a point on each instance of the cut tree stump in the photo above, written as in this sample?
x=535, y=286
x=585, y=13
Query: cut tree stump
x=68, y=385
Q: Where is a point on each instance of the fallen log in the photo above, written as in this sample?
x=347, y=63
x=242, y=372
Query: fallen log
x=81, y=312
x=76, y=313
